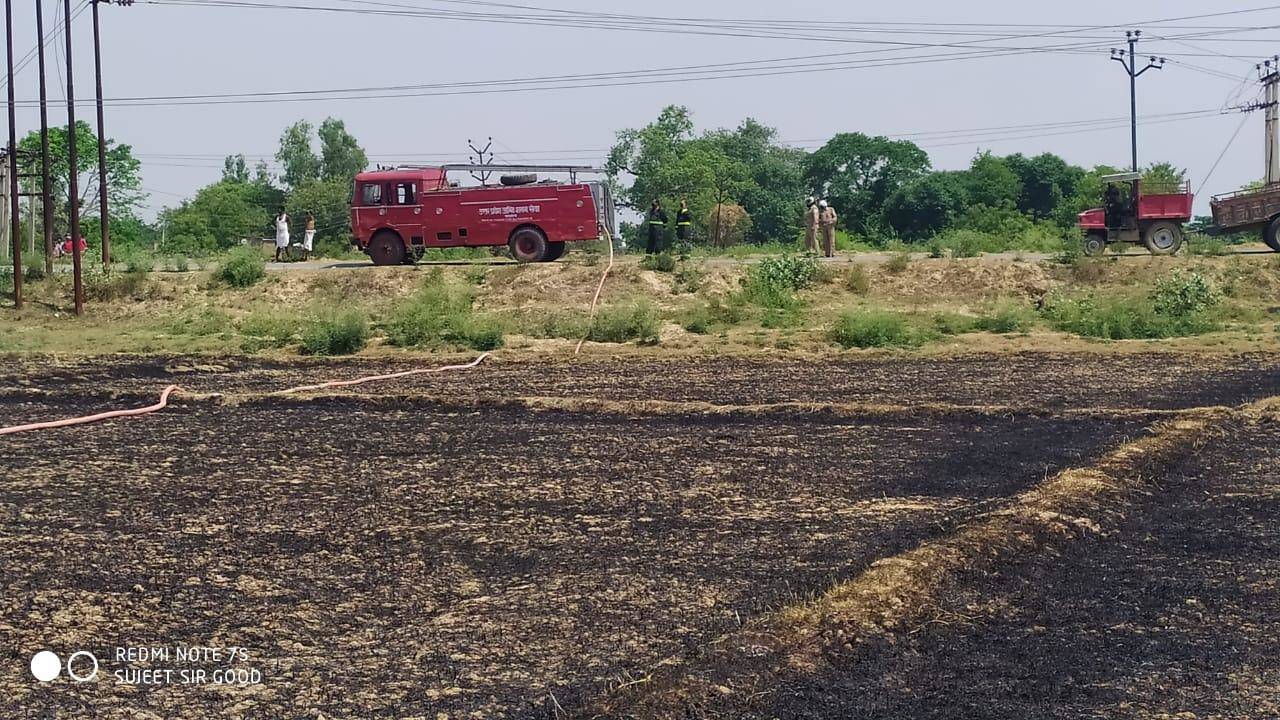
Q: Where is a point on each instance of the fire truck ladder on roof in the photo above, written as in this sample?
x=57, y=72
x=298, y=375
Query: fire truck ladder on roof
x=573, y=170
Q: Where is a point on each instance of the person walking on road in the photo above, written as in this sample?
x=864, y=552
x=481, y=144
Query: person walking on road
x=812, y=216
x=657, y=227
x=684, y=222
x=282, y=233
x=828, y=220
x=309, y=240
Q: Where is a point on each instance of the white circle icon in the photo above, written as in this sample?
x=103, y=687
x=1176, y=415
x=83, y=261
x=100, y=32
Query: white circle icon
x=45, y=666
x=88, y=676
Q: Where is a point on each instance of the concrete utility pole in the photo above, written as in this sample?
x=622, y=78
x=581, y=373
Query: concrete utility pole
x=5, y=228
x=1130, y=62
x=46, y=192
x=15, y=220
x=73, y=190
x=104, y=215
x=1269, y=74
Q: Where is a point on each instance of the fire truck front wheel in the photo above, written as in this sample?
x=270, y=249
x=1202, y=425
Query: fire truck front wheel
x=528, y=245
x=386, y=248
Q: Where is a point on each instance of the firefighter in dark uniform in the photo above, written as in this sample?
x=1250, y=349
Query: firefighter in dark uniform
x=1113, y=207
x=684, y=222
x=657, y=227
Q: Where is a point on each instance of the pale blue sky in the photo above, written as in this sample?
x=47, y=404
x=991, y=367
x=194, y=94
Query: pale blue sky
x=161, y=49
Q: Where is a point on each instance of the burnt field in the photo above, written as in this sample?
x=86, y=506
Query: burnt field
x=418, y=554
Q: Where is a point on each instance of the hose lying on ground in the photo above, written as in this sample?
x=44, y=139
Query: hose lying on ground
x=594, y=301
x=164, y=398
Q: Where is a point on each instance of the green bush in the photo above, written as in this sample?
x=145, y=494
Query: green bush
x=698, y=321
x=874, y=329
x=857, y=281
x=202, y=322
x=1181, y=295
x=244, y=267
x=954, y=323
x=792, y=272
x=267, y=329
x=103, y=286
x=338, y=332
x=623, y=323
x=1123, y=318
x=1005, y=318
x=33, y=273
x=688, y=278
x=443, y=314
x=662, y=262
x=138, y=262
x=898, y=263
x=1207, y=246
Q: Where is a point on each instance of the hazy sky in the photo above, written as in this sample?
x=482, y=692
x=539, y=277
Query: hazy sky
x=163, y=49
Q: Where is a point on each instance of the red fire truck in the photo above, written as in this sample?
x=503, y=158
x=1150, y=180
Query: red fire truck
x=396, y=215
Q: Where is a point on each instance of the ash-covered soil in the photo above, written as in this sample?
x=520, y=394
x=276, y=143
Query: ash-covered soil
x=1177, y=615
x=405, y=559
x=1040, y=380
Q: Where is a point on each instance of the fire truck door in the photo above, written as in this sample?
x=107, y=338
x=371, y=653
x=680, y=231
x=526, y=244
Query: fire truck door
x=404, y=213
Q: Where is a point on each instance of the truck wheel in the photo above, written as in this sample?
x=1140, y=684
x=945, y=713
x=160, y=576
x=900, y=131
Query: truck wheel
x=1271, y=235
x=386, y=248
x=555, y=251
x=1095, y=243
x=1163, y=238
x=528, y=245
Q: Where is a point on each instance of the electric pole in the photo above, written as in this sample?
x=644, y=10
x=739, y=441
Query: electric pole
x=1269, y=75
x=73, y=198
x=104, y=217
x=15, y=221
x=1129, y=60
x=46, y=196
x=482, y=157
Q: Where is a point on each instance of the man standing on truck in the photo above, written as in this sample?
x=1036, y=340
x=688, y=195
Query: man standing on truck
x=812, y=215
x=829, y=219
x=657, y=227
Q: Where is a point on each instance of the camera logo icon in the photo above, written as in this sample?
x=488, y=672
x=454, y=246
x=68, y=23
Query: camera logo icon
x=82, y=666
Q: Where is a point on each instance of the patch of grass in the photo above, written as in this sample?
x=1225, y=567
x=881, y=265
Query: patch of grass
x=954, y=323
x=898, y=263
x=200, y=322
x=1207, y=246
x=857, y=281
x=442, y=313
x=688, y=278
x=267, y=329
x=139, y=263
x=876, y=329
x=773, y=282
x=477, y=274
x=106, y=286
x=780, y=318
x=636, y=321
x=336, y=332
x=33, y=273
x=1005, y=318
x=244, y=267
x=698, y=321
x=661, y=262
x=1179, y=306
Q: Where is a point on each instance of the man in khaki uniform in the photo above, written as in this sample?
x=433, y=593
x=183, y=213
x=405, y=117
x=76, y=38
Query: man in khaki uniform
x=828, y=219
x=811, y=219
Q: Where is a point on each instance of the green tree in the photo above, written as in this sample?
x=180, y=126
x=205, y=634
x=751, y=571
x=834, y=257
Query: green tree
x=329, y=200
x=1163, y=177
x=646, y=154
x=235, y=169
x=928, y=205
x=299, y=161
x=774, y=196
x=341, y=157
x=1047, y=180
x=220, y=216
x=991, y=182
x=858, y=174
x=124, y=173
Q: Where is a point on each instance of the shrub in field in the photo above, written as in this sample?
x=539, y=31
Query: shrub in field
x=773, y=282
x=202, y=322
x=688, y=278
x=1135, y=318
x=874, y=329
x=954, y=323
x=33, y=273
x=244, y=267
x=1207, y=246
x=337, y=332
x=857, y=281
x=442, y=313
x=1007, y=317
x=623, y=323
x=1183, y=295
x=698, y=321
x=898, y=263
x=105, y=286
x=662, y=262
x=727, y=313
x=267, y=329
x=138, y=262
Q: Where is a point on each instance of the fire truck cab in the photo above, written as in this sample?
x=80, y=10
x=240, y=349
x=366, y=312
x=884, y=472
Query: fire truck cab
x=396, y=215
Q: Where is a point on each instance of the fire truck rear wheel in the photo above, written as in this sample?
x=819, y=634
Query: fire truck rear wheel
x=555, y=251
x=1163, y=238
x=386, y=248
x=1271, y=235
x=528, y=245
